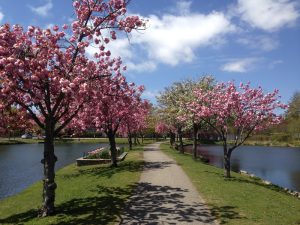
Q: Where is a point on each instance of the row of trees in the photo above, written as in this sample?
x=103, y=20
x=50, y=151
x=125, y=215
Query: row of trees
x=223, y=109
x=293, y=116
x=46, y=74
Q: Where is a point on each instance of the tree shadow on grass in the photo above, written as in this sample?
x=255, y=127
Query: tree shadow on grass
x=103, y=208
x=225, y=213
x=20, y=218
x=148, y=204
x=128, y=166
x=107, y=171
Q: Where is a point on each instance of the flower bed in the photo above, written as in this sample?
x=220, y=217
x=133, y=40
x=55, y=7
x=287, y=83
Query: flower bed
x=102, y=153
x=100, y=156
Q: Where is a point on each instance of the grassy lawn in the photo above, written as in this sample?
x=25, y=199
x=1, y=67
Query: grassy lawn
x=85, y=195
x=254, y=143
x=241, y=199
x=269, y=143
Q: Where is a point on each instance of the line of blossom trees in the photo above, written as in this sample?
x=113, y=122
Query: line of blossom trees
x=46, y=74
x=223, y=108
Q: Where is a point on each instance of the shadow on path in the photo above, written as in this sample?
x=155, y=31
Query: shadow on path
x=157, y=165
x=154, y=204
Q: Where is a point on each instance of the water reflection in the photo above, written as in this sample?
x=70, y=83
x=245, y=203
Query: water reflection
x=20, y=164
x=280, y=165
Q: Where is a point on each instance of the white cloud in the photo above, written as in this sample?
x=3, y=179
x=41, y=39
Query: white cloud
x=174, y=39
x=259, y=42
x=141, y=67
x=42, y=10
x=183, y=7
x=268, y=15
x=1, y=16
x=151, y=95
x=170, y=39
x=124, y=49
x=239, y=65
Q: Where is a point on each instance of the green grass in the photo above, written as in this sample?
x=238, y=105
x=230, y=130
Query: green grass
x=268, y=143
x=5, y=141
x=85, y=195
x=252, y=143
x=241, y=199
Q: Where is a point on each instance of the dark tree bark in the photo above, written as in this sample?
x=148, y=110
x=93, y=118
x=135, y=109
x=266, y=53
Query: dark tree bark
x=179, y=132
x=113, y=148
x=49, y=160
x=227, y=164
x=129, y=140
x=195, y=143
x=172, y=139
x=135, y=139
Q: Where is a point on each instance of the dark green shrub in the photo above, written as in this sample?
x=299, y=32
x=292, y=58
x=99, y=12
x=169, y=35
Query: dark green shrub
x=104, y=154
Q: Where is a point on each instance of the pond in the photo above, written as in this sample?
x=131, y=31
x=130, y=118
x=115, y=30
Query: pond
x=20, y=164
x=279, y=165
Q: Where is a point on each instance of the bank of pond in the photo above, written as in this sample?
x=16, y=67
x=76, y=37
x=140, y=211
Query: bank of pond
x=97, y=194
x=20, y=164
x=279, y=165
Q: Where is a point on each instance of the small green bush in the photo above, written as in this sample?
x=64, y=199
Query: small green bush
x=104, y=154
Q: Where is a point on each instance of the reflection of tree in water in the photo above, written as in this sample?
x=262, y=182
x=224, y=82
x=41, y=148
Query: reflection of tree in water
x=295, y=180
x=235, y=166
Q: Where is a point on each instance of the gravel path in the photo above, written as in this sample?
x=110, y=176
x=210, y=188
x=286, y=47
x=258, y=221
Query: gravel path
x=165, y=195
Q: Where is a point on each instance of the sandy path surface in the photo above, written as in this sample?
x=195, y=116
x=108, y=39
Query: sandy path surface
x=165, y=195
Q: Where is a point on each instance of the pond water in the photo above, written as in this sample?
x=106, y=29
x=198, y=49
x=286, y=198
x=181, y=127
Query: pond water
x=20, y=164
x=279, y=165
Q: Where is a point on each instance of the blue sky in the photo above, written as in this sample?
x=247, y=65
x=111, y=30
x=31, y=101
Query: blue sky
x=241, y=40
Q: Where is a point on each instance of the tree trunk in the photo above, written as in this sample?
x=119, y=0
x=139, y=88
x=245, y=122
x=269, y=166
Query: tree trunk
x=179, y=132
x=195, y=132
x=137, y=140
x=49, y=160
x=113, y=148
x=227, y=166
x=172, y=139
x=134, y=139
x=129, y=140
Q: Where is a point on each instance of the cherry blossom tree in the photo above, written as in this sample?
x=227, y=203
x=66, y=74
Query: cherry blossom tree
x=238, y=110
x=189, y=118
x=173, y=104
x=10, y=124
x=164, y=129
x=169, y=111
x=47, y=73
x=134, y=121
x=114, y=99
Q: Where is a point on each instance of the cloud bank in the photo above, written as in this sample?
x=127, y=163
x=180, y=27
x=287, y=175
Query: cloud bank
x=42, y=10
